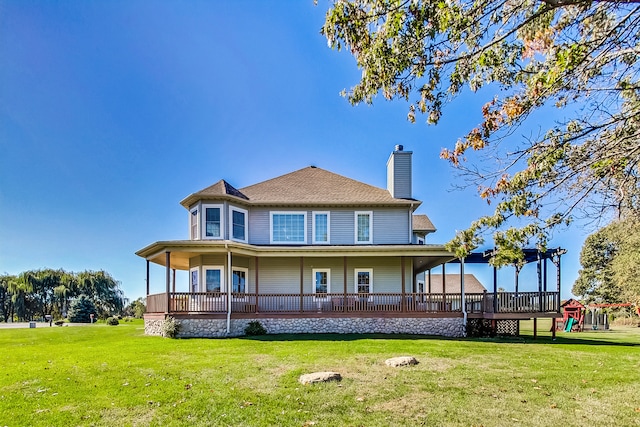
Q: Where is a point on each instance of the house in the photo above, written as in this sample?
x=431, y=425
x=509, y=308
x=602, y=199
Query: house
x=310, y=251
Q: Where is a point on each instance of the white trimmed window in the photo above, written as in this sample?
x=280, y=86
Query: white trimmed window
x=364, y=227
x=321, y=282
x=238, y=228
x=239, y=284
x=193, y=224
x=213, y=276
x=212, y=221
x=363, y=280
x=320, y=228
x=193, y=280
x=288, y=227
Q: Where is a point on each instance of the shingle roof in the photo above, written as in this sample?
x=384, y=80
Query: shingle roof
x=452, y=284
x=423, y=223
x=310, y=185
x=221, y=188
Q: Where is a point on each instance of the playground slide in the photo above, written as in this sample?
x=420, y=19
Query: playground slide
x=569, y=325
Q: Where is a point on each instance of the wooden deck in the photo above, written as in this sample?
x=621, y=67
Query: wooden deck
x=503, y=305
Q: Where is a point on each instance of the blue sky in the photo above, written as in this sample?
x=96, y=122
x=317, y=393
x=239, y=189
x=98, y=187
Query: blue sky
x=113, y=112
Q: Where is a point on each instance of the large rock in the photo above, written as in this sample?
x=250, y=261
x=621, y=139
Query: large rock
x=319, y=377
x=401, y=361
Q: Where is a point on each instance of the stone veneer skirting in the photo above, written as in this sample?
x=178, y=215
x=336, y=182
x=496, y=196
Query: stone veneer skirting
x=217, y=328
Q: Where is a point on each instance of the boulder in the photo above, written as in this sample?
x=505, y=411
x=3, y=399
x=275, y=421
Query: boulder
x=319, y=377
x=401, y=361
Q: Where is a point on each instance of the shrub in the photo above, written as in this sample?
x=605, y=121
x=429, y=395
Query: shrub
x=479, y=328
x=112, y=321
x=170, y=327
x=81, y=309
x=255, y=328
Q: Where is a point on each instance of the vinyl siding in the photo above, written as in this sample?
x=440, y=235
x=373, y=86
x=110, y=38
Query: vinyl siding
x=390, y=226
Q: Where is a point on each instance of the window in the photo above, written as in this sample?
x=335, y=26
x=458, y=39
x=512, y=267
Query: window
x=193, y=224
x=321, y=281
x=213, y=278
x=364, y=280
x=212, y=221
x=363, y=227
x=239, y=280
x=238, y=224
x=288, y=227
x=194, y=280
x=321, y=227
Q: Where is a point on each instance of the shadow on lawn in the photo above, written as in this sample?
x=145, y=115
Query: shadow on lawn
x=497, y=340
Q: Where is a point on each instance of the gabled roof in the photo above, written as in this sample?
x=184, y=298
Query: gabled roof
x=307, y=186
x=452, y=284
x=422, y=223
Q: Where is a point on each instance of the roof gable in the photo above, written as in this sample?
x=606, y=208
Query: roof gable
x=422, y=223
x=452, y=284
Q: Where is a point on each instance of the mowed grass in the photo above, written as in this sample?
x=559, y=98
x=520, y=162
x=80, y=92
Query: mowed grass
x=116, y=376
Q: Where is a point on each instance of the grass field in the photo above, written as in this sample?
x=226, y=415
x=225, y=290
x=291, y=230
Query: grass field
x=115, y=376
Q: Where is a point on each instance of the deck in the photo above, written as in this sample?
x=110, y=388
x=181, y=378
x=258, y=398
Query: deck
x=502, y=305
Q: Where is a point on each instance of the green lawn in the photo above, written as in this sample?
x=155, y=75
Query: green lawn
x=114, y=376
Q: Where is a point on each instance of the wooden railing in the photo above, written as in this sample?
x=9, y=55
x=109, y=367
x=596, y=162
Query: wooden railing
x=216, y=302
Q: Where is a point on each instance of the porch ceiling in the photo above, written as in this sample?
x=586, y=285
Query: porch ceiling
x=424, y=256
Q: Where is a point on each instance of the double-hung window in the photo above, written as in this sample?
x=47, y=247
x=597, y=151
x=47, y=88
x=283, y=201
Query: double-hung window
x=193, y=224
x=321, y=282
x=212, y=221
x=364, y=280
x=364, y=227
x=321, y=227
x=288, y=227
x=238, y=224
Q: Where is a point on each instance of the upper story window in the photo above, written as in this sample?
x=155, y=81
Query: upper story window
x=288, y=227
x=212, y=221
x=364, y=227
x=238, y=224
x=193, y=224
x=321, y=227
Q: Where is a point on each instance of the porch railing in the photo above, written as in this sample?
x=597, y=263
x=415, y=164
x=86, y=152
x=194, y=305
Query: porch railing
x=215, y=302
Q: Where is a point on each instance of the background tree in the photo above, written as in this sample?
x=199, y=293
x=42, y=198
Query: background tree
x=136, y=308
x=578, y=56
x=81, y=310
x=610, y=260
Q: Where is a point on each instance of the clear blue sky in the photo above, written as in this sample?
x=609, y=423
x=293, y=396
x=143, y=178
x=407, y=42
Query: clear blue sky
x=112, y=112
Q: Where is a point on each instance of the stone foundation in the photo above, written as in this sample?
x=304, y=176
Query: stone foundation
x=217, y=328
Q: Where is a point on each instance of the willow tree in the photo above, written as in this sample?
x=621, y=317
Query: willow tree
x=580, y=57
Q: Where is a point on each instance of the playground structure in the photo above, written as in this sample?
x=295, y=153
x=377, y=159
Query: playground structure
x=575, y=316
x=572, y=316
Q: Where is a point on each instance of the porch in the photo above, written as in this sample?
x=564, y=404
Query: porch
x=241, y=305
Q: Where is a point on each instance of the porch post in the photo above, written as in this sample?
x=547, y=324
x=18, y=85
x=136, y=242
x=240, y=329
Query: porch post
x=558, y=280
x=257, y=288
x=168, y=279
x=463, y=306
x=444, y=290
x=544, y=280
x=535, y=328
x=173, y=280
x=517, y=276
x=539, y=271
x=495, y=289
x=301, y=283
x=403, y=306
x=344, y=301
x=147, y=294
x=429, y=288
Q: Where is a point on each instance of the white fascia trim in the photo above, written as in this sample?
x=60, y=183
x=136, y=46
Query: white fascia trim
x=313, y=227
x=272, y=213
